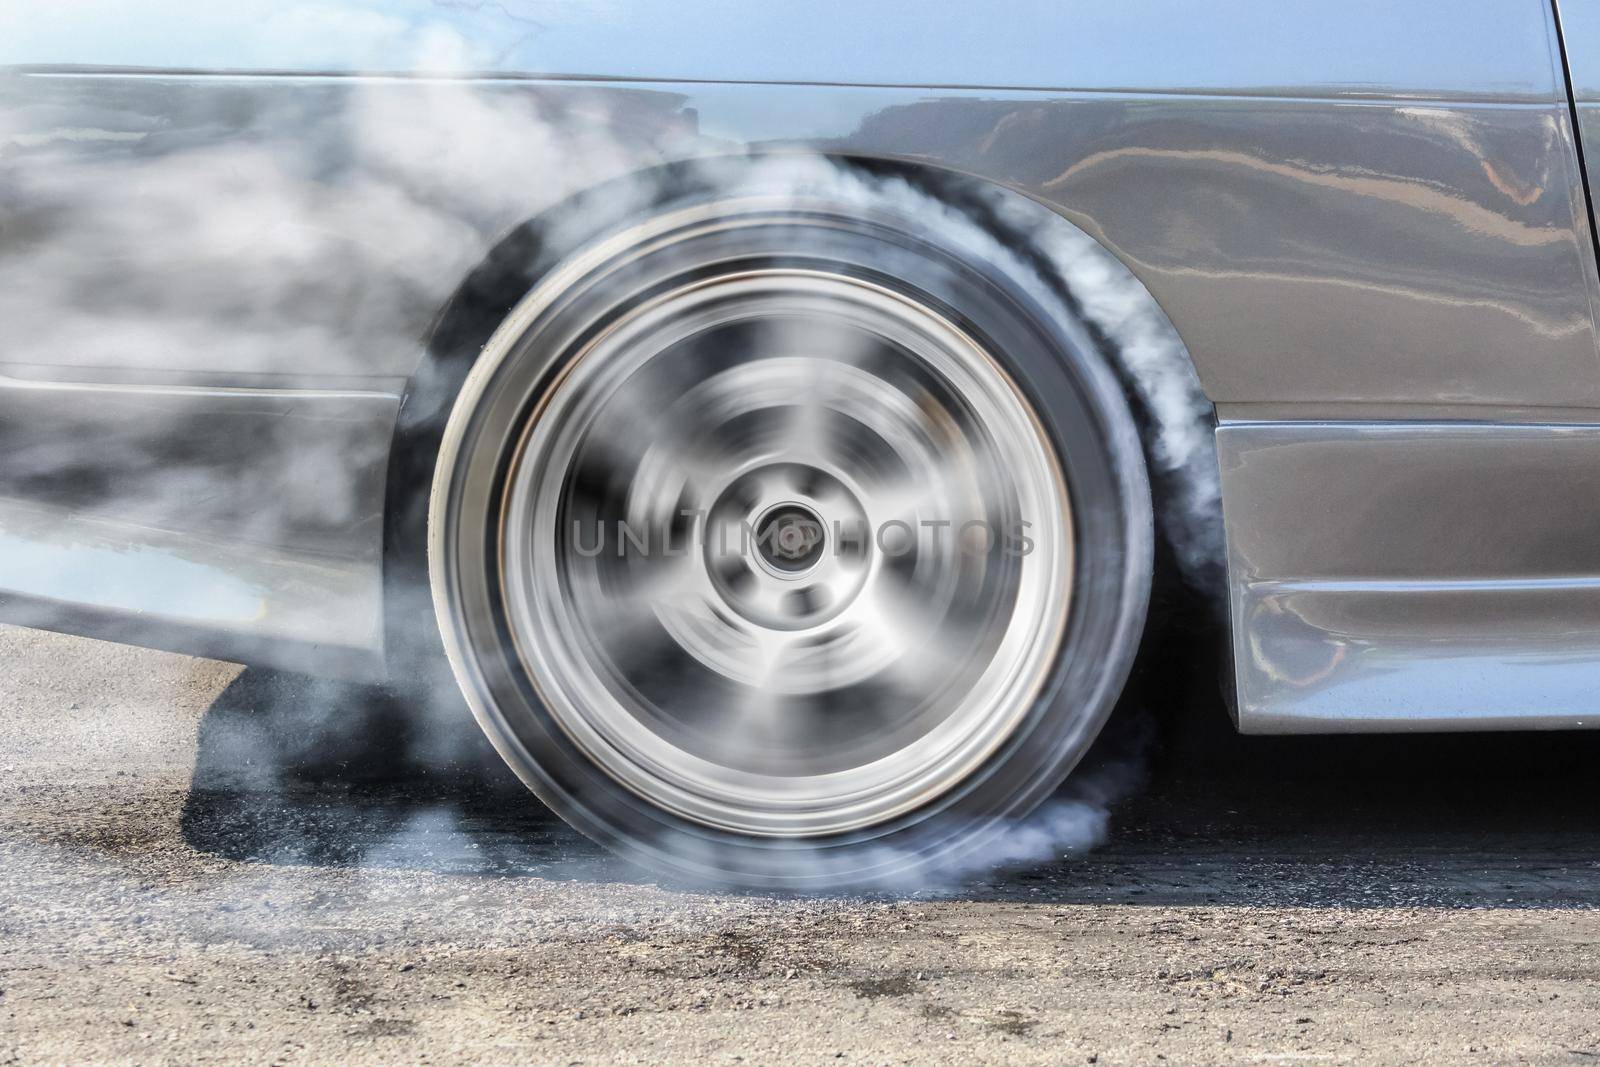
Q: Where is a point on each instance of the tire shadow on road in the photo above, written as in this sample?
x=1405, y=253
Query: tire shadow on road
x=291, y=770
x=297, y=770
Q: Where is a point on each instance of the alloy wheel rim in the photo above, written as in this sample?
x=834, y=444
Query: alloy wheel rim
x=761, y=552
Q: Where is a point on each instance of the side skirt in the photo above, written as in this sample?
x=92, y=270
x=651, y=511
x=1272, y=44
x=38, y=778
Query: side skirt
x=241, y=522
x=1411, y=576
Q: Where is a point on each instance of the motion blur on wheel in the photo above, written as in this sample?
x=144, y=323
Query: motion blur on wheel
x=780, y=537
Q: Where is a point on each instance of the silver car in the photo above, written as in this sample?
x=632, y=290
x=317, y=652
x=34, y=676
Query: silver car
x=775, y=418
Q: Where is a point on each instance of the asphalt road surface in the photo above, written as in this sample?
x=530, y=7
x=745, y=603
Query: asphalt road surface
x=202, y=864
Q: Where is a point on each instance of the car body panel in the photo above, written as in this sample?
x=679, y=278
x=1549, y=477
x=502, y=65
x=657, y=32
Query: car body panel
x=1307, y=250
x=1477, y=49
x=222, y=520
x=1413, y=575
x=1580, y=36
x=1366, y=220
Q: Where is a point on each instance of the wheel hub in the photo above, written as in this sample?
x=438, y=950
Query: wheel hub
x=790, y=538
x=786, y=548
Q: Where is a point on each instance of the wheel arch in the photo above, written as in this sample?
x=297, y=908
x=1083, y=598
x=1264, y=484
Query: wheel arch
x=1122, y=317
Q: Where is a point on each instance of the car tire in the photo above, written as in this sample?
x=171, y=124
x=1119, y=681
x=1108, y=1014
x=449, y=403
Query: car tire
x=765, y=346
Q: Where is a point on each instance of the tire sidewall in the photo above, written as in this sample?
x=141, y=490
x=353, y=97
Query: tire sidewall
x=1015, y=313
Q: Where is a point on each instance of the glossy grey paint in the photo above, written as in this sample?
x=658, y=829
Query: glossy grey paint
x=213, y=519
x=1413, y=576
x=1363, y=205
x=1479, y=49
x=1307, y=246
x=1307, y=250
x=1580, y=32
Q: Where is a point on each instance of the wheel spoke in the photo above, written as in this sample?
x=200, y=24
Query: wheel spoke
x=910, y=638
x=805, y=427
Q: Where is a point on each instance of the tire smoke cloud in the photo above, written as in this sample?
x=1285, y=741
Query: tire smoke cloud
x=289, y=245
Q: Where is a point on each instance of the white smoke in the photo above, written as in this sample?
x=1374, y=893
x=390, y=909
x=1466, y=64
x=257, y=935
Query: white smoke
x=321, y=236
x=1153, y=356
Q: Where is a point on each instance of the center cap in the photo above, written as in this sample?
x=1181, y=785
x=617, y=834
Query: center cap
x=790, y=539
